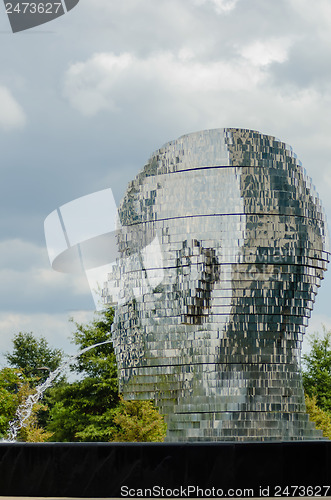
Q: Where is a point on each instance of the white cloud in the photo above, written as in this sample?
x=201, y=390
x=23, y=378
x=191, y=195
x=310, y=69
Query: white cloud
x=194, y=94
x=11, y=113
x=56, y=328
x=89, y=84
x=317, y=14
x=264, y=52
x=221, y=6
x=102, y=82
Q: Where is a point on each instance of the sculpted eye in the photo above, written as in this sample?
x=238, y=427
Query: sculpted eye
x=195, y=259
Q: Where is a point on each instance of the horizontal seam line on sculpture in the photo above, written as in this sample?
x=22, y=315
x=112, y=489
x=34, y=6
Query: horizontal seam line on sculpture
x=264, y=214
x=254, y=263
x=241, y=363
x=214, y=167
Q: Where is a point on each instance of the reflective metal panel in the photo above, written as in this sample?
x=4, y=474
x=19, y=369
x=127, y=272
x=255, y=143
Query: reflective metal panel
x=210, y=318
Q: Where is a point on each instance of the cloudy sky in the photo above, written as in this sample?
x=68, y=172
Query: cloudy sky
x=85, y=100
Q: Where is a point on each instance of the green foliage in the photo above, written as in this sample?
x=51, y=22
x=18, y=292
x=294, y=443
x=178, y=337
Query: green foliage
x=100, y=361
x=31, y=431
x=14, y=389
x=321, y=418
x=34, y=357
x=317, y=370
x=89, y=409
x=138, y=421
x=83, y=406
x=10, y=381
x=81, y=411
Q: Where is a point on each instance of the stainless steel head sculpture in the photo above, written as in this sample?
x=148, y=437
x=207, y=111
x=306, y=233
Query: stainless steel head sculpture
x=211, y=326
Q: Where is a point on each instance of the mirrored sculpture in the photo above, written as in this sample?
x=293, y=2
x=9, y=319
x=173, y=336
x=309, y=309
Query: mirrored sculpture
x=222, y=247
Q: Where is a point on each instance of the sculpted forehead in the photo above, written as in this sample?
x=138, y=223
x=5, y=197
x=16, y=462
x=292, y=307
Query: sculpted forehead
x=200, y=192
x=224, y=172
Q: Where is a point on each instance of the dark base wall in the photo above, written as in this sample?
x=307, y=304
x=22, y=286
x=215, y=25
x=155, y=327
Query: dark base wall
x=100, y=470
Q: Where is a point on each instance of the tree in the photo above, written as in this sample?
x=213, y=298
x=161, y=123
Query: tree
x=82, y=410
x=14, y=389
x=10, y=381
x=138, y=421
x=34, y=357
x=321, y=418
x=317, y=370
x=90, y=409
x=99, y=361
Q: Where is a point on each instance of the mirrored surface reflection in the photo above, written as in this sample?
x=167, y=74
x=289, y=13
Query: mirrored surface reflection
x=209, y=321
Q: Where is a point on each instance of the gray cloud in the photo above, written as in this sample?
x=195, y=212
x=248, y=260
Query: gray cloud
x=87, y=98
x=11, y=113
x=29, y=285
